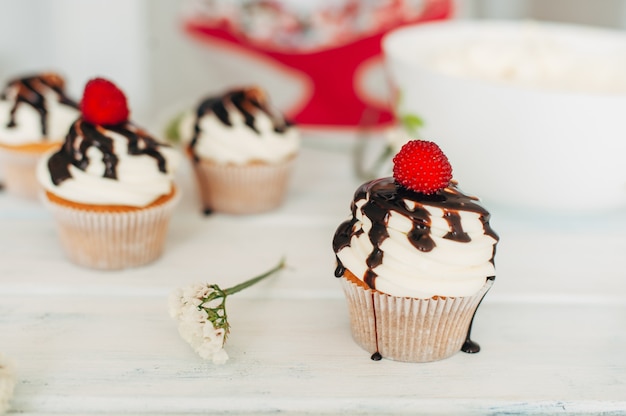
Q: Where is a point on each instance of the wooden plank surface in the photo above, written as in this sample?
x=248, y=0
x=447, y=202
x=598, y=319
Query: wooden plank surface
x=553, y=328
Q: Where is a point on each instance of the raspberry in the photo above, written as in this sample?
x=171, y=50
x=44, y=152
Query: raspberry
x=103, y=103
x=421, y=166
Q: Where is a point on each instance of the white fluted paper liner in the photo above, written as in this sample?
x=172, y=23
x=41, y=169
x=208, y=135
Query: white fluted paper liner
x=114, y=240
x=242, y=189
x=7, y=384
x=18, y=173
x=408, y=329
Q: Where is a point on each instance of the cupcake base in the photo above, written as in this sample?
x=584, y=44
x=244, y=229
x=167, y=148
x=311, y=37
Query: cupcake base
x=242, y=189
x=408, y=329
x=7, y=384
x=18, y=169
x=115, y=238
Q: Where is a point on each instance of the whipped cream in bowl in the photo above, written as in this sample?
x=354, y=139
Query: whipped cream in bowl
x=533, y=57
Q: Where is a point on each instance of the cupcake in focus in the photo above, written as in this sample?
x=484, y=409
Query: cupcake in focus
x=35, y=115
x=110, y=186
x=242, y=151
x=416, y=258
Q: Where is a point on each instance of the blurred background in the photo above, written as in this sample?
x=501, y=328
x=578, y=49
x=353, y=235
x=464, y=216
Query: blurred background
x=142, y=45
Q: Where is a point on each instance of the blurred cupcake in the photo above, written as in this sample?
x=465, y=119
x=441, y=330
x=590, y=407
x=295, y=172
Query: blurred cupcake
x=416, y=257
x=242, y=151
x=35, y=115
x=110, y=186
x=7, y=384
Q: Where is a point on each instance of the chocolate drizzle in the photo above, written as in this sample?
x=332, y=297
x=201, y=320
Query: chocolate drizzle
x=469, y=346
x=84, y=135
x=31, y=90
x=248, y=102
x=385, y=195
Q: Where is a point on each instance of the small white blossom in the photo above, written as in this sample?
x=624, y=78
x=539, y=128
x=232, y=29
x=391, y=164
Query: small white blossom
x=220, y=357
x=205, y=339
x=194, y=324
x=7, y=384
x=200, y=309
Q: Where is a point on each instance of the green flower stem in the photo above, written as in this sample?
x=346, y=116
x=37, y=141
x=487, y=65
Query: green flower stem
x=248, y=283
x=384, y=156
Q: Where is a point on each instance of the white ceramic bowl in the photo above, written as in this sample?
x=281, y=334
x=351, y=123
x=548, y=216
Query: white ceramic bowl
x=517, y=144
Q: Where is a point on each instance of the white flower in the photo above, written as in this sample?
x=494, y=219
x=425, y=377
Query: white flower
x=194, y=324
x=205, y=339
x=200, y=309
x=7, y=384
x=213, y=346
x=220, y=357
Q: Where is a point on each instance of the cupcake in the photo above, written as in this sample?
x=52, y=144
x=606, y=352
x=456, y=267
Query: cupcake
x=35, y=115
x=110, y=186
x=7, y=384
x=415, y=258
x=242, y=151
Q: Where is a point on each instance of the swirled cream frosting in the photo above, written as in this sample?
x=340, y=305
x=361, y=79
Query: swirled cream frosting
x=34, y=109
x=112, y=165
x=239, y=127
x=406, y=243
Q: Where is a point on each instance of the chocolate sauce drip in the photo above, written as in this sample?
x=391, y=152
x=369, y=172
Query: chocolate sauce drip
x=377, y=356
x=377, y=234
x=248, y=102
x=385, y=195
x=339, y=270
x=247, y=105
x=370, y=278
x=469, y=346
x=30, y=91
x=141, y=143
x=457, y=233
x=83, y=135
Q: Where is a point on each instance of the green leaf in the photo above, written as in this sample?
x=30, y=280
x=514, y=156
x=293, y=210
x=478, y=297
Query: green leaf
x=412, y=122
x=171, y=130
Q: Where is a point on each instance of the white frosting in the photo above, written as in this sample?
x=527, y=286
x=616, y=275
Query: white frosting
x=139, y=180
x=452, y=268
x=239, y=144
x=27, y=127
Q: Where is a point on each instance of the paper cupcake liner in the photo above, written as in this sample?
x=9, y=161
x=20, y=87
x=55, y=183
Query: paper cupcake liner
x=246, y=189
x=113, y=240
x=7, y=384
x=18, y=173
x=408, y=329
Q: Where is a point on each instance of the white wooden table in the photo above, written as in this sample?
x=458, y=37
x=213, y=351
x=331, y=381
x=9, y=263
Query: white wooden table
x=552, y=329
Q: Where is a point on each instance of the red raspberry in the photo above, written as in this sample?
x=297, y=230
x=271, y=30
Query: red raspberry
x=422, y=167
x=103, y=103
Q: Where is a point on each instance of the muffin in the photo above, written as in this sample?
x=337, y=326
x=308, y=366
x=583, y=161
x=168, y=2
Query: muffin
x=242, y=151
x=415, y=258
x=110, y=186
x=35, y=115
x=7, y=384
